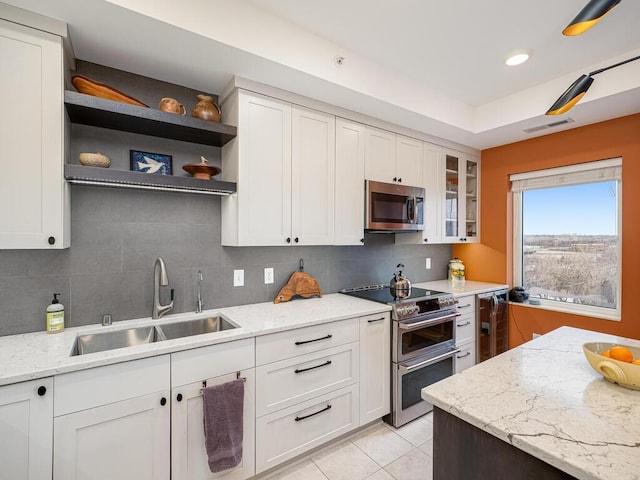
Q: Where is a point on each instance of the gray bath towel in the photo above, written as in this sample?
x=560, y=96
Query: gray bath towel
x=223, y=412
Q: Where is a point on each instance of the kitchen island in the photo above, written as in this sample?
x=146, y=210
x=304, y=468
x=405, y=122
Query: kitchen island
x=537, y=411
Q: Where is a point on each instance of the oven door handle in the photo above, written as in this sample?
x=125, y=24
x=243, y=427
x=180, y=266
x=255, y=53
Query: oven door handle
x=408, y=368
x=417, y=325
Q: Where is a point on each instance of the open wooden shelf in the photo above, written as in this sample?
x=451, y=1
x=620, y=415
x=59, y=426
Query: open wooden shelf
x=99, y=112
x=105, y=177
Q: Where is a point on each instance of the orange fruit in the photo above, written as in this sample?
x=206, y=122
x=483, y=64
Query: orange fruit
x=606, y=353
x=636, y=362
x=622, y=354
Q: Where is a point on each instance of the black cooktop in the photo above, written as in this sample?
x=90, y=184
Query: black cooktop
x=382, y=294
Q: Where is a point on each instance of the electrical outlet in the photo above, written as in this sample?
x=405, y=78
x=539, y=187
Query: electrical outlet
x=238, y=278
x=427, y=263
x=268, y=275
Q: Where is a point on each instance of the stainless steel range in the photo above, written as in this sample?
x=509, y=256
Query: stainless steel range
x=423, y=341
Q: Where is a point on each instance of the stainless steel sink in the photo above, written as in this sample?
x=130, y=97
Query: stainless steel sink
x=196, y=327
x=99, y=342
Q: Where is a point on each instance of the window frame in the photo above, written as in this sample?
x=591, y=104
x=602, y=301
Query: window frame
x=578, y=171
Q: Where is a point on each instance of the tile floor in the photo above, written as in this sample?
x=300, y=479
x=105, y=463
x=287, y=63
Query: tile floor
x=379, y=452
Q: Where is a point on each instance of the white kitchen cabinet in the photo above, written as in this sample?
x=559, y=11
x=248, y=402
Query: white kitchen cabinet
x=313, y=177
x=127, y=440
x=461, y=206
x=188, y=452
x=283, y=161
x=292, y=431
x=113, y=422
x=375, y=367
x=26, y=429
x=213, y=365
x=349, y=187
x=259, y=161
x=466, y=357
x=466, y=332
x=392, y=158
x=33, y=191
x=409, y=161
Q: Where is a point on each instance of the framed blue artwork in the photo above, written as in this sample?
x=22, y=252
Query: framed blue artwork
x=154, y=163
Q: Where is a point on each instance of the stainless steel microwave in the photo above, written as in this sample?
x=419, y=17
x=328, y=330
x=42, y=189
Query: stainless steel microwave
x=392, y=207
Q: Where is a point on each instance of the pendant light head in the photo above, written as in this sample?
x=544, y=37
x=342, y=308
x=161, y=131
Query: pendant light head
x=571, y=96
x=589, y=16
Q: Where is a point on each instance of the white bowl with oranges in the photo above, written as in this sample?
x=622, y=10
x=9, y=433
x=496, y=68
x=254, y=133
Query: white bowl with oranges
x=617, y=363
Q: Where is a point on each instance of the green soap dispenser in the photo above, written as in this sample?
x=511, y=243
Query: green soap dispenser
x=55, y=315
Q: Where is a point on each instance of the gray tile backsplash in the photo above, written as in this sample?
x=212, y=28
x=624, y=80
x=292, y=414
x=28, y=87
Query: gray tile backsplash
x=117, y=235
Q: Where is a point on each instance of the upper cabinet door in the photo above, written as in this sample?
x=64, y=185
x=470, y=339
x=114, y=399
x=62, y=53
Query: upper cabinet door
x=380, y=155
x=461, y=197
x=33, y=191
x=312, y=177
x=264, y=171
x=433, y=172
x=349, y=211
x=409, y=161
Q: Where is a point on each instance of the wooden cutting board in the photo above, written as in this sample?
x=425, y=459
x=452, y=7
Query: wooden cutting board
x=301, y=284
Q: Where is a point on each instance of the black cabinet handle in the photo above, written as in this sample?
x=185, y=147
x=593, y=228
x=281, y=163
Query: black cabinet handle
x=163, y=401
x=302, y=342
x=463, y=325
x=395, y=179
x=296, y=240
x=328, y=407
x=426, y=240
x=375, y=320
x=51, y=240
x=400, y=180
x=465, y=355
x=42, y=390
x=179, y=397
x=288, y=239
x=362, y=240
x=325, y=364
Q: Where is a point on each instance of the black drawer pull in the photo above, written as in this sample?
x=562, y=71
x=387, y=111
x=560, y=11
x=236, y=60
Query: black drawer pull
x=464, y=324
x=468, y=305
x=465, y=355
x=300, y=370
x=314, y=340
x=375, y=320
x=328, y=407
x=42, y=390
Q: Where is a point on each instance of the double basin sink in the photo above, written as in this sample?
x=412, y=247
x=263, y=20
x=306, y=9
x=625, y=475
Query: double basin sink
x=99, y=342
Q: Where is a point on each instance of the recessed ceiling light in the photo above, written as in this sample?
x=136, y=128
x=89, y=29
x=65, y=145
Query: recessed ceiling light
x=518, y=57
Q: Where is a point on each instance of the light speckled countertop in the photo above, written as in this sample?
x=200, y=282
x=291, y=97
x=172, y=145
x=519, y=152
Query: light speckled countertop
x=468, y=287
x=36, y=355
x=544, y=398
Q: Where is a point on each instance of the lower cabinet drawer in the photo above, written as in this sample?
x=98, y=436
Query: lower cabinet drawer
x=465, y=329
x=294, y=430
x=291, y=381
x=466, y=357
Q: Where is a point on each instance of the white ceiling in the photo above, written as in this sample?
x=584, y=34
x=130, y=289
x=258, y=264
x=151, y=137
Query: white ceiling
x=432, y=66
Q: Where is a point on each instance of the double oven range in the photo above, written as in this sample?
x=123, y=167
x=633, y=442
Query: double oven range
x=423, y=348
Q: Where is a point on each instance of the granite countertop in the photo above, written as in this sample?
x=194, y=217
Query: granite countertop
x=35, y=355
x=545, y=399
x=468, y=287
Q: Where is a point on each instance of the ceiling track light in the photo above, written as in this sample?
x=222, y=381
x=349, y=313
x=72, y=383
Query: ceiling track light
x=576, y=91
x=589, y=16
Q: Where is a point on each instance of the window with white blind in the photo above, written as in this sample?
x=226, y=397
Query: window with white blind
x=567, y=234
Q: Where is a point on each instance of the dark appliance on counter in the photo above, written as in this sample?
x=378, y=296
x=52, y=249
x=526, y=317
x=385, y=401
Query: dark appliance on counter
x=393, y=208
x=423, y=348
x=493, y=324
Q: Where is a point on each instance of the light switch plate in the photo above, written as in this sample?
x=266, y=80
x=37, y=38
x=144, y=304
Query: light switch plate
x=427, y=263
x=268, y=275
x=238, y=278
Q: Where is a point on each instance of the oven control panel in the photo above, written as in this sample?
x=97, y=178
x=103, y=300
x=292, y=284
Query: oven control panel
x=406, y=310
x=447, y=301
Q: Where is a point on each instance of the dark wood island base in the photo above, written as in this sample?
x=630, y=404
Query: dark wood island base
x=464, y=452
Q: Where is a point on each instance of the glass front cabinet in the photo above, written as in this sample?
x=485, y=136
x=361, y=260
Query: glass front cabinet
x=461, y=198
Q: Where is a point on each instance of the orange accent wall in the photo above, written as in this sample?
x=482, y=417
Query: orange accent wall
x=491, y=260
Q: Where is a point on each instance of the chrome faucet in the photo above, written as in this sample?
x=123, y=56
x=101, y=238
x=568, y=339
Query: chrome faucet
x=199, y=302
x=160, y=278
